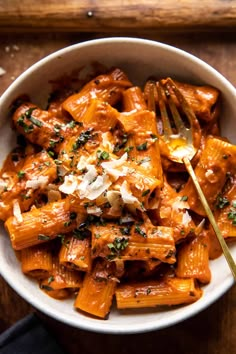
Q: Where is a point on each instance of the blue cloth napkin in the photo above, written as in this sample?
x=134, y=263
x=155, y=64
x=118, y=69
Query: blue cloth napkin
x=28, y=336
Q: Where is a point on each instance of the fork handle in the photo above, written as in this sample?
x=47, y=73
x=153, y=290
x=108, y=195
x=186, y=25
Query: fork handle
x=211, y=217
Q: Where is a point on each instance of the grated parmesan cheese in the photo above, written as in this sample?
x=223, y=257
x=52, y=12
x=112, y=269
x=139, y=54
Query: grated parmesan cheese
x=69, y=185
x=114, y=167
x=94, y=210
x=186, y=219
x=17, y=211
x=126, y=194
x=106, y=141
x=36, y=183
x=179, y=204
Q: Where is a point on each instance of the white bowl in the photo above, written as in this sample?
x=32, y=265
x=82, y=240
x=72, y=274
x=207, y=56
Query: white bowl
x=140, y=59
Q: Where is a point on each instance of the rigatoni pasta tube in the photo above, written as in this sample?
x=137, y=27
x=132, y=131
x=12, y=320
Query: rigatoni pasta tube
x=76, y=253
x=217, y=160
x=107, y=88
x=37, y=261
x=43, y=224
x=96, y=294
x=133, y=99
x=143, y=140
x=37, y=171
x=140, y=242
x=193, y=259
x=167, y=291
x=61, y=280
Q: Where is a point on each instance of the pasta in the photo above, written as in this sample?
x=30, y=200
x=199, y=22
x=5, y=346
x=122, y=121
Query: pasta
x=96, y=208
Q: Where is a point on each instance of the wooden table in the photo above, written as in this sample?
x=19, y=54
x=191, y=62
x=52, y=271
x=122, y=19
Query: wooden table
x=213, y=331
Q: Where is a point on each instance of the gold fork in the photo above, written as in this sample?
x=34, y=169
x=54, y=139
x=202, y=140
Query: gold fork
x=183, y=144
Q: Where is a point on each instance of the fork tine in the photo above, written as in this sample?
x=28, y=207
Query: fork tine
x=175, y=114
x=167, y=130
x=183, y=103
x=151, y=104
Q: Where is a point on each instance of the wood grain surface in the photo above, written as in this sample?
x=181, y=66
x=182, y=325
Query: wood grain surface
x=213, y=331
x=106, y=15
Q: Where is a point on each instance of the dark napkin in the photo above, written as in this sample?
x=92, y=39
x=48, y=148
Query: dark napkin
x=28, y=336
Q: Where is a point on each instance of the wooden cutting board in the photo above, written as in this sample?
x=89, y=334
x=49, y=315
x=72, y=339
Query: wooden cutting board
x=117, y=15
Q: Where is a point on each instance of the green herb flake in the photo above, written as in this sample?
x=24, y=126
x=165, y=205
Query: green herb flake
x=46, y=287
x=119, y=244
x=51, y=153
x=142, y=147
x=50, y=279
x=42, y=237
x=232, y=215
x=154, y=137
x=52, y=143
x=222, y=202
x=146, y=159
x=184, y=198
x=146, y=192
x=128, y=149
x=21, y=174
x=67, y=223
x=139, y=231
x=82, y=139
x=103, y=155
x=125, y=230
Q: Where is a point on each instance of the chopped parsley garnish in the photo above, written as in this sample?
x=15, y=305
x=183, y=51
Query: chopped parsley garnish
x=139, y=231
x=146, y=159
x=82, y=139
x=154, y=136
x=121, y=144
x=184, y=198
x=119, y=244
x=57, y=129
x=82, y=233
x=51, y=153
x=33, y=120
x=67, y=223
x=42, y=237
x=102, y=155
x=142, y=147
x=52, y=143
x=222, y=202
x=63, y=240
x=50, y=279
x=128, y=149
x=21, y=174
x=125, y=230
x=232, y=213
x=27, y=128
x=146, y=192
x=46, y=287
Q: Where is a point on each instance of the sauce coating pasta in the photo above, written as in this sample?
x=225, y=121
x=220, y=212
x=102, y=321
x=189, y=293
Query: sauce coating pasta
x=96, y=208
